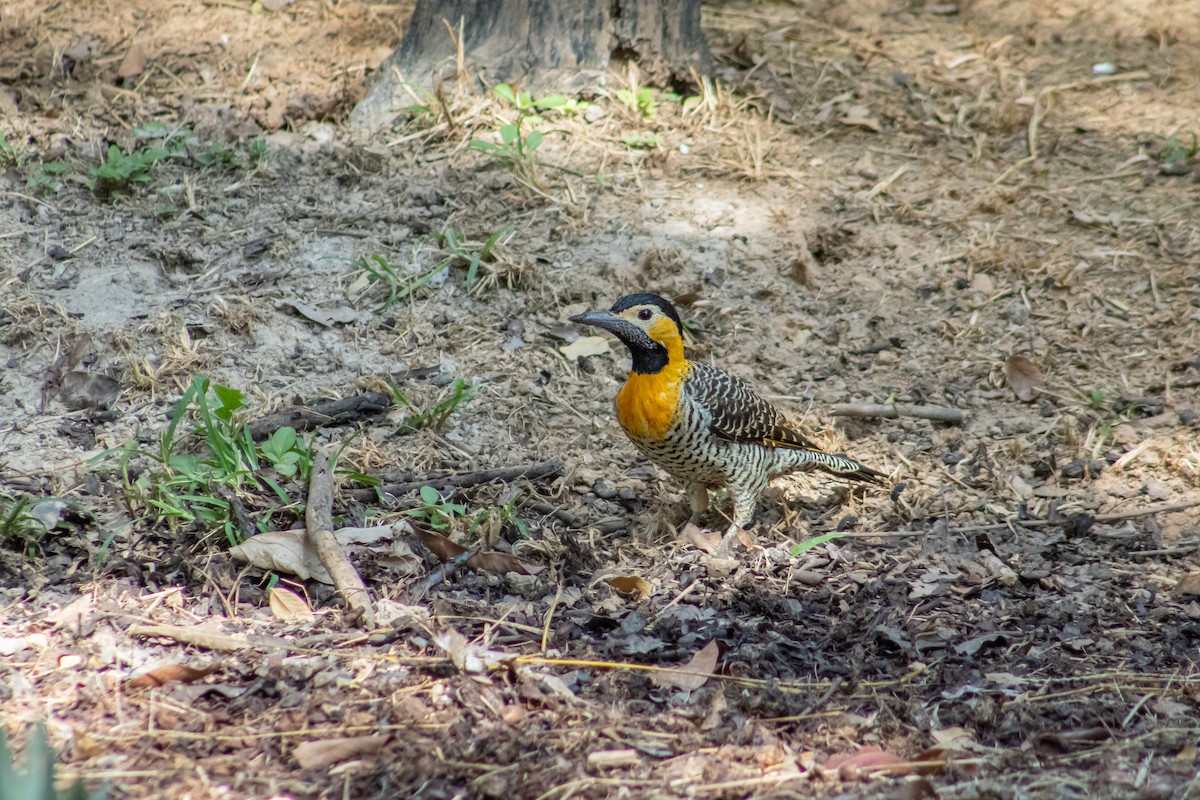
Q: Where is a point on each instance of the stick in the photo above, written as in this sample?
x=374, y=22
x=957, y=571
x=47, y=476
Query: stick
x=1164, y=508
x=318, y=519
x=570, y=520
x=543, y=471
x=192, y=635
x=348, y=409
x=891, y=411
x=444, y=571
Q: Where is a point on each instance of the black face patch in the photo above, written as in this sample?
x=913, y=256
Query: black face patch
x=630, y=300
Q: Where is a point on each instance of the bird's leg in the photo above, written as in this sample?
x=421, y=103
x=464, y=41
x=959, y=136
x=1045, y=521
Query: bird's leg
x=745, y=499
x=698, y=499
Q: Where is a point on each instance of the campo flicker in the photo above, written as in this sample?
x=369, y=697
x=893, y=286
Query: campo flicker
x=698, y=422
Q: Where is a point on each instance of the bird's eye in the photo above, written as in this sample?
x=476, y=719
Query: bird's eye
x=645, y=314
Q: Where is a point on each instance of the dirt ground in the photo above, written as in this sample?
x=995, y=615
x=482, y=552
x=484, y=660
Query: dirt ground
x=989, y=206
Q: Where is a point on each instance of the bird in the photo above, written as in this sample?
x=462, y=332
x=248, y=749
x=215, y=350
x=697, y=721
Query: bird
x=700, y=423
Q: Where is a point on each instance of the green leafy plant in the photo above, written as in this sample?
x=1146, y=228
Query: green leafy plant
x=36, y=780
x=640, y=100
x=517, y=144
x=437, y=512
x=258, y=152
x=216, y=485
x=436, y=416
x=287, y=452
x=458, y=250
x=499, y=516
x=48, y=176
x=1177, y=149
x=121, y=171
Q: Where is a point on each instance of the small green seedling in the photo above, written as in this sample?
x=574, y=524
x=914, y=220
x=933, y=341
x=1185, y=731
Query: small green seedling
x=123, y=171
x=48, y=176
x=439, y=513
x=640, y=100
x=434, y=418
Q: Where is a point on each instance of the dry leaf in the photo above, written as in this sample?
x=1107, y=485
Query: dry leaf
x=861, y=117
x=446, y=550
x=171, y=672
x=325, y=752
x=586, y=346
x=692, y=675
x=282, y=551
x=1188, y=584
x=133, y=63
x=706, y=540
x=464, y=655
x=1023, y=377
x=631, y=585
x=289, y=606
x=870, y=760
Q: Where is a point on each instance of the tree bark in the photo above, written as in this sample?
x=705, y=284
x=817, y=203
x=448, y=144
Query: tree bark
x=546, y=46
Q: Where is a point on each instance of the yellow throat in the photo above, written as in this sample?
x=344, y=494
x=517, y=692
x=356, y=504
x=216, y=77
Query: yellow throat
x=648, y=403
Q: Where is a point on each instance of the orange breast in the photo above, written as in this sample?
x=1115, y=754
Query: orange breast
x=647, y=404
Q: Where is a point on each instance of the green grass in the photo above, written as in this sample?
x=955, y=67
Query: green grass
x=36, y=780
x=434, y=417
x=19, y=529
x=457, y=251
x=204, y=485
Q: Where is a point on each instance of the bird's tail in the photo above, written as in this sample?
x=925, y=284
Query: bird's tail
x=834, y=464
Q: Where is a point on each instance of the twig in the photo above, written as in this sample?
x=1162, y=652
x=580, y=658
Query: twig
x=542, y=471
x=445, y=570
x=318, y=519
x=192, y=635
x=570, y=520
x=347, y=409
x=1146, y=511
x=892, y=410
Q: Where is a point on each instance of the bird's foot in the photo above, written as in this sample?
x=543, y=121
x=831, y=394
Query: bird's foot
x=735, y=534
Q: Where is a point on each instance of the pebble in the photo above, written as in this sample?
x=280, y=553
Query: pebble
x=627, y=493
x=604, y=489
x=1188, y=417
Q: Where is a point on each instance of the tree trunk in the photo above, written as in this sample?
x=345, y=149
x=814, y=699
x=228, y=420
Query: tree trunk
x=559, y=46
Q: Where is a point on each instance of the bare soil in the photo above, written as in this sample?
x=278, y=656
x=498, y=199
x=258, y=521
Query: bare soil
x=877, y=202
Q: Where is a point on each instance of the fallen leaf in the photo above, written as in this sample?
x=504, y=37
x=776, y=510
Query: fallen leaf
x=706, y=540
x=446, y=550
x=289, y=606
x=1023, y=377
x=79, y=390
x=133, y=63
x=326, y=752
x=290, y=551
x=1188, y=584
x=282, y=551
x=631, y=585
x=467, y=657
x=341, y=315
x=861, y=117
x=171, y=672
x=586, y=346
x=870, y=760
x=692, y=675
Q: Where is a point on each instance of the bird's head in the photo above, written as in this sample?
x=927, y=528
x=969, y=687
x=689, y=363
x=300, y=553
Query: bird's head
x=647, y=324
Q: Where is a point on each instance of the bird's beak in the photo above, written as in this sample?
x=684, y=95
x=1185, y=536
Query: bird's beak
x=601, y=319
